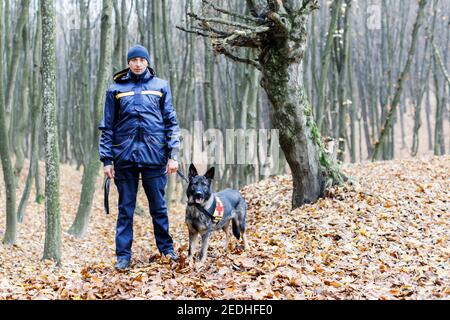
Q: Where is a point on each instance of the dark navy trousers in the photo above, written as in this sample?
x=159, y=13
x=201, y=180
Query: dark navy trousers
x=154, y=182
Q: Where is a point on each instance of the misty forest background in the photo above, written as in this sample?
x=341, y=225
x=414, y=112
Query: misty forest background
x=356, y=52
x=350, y=81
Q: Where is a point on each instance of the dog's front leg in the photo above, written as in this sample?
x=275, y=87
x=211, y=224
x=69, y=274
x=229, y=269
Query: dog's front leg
x=193, y=239
x=205, y=244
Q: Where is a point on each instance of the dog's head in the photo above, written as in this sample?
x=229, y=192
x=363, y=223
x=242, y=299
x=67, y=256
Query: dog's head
x=200, y=187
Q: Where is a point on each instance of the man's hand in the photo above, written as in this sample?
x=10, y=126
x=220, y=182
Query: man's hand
x=172, y=166
x=109, y=171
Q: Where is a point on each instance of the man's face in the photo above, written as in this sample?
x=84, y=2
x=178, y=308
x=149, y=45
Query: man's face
x=138, y=65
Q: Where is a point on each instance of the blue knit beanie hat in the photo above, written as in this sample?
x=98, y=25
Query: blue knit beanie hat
x=138, y=51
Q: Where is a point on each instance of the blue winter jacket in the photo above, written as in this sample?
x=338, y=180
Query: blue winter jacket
x=139, y=126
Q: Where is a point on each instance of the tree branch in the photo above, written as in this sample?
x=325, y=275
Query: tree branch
x=242, y=38
x=219, y=49
x=207, y=27
x=199, y=33
x=230, y=13
x=238, y=38
x=249, y=37
x=222, y=21
x=129, y=13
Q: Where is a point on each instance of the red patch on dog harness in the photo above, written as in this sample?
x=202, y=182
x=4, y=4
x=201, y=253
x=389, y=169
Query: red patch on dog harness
x=218, y=213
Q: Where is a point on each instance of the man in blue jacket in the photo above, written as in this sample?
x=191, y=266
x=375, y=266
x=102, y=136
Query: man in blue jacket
x=140, y=136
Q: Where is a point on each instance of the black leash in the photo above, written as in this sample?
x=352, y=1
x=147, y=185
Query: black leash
x=106, y=194
x=182, y=176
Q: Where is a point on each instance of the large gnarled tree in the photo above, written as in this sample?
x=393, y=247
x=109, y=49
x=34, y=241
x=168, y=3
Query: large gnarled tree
x=278, y=32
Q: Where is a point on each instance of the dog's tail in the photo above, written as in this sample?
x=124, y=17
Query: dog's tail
x=238, y=222
x=236, y=226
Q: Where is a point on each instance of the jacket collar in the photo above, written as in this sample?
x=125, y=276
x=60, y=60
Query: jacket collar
x=139, y=77
x=126, y=75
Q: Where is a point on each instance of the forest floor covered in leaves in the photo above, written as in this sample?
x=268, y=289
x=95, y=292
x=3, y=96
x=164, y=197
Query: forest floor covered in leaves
x=386, y=237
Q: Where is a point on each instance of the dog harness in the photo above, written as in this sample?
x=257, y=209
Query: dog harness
x=218, y=212
x=216, y=209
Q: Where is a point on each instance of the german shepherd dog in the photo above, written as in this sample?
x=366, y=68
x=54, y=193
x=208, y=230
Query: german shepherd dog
x=207, y=211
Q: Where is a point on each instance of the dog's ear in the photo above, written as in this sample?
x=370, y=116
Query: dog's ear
x=192, y=171
x=210, y=173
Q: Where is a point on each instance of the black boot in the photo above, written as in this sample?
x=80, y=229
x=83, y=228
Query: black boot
x=172, y=255
x=122, y=264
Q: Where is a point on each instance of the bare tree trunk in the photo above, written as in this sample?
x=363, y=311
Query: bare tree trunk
x=251, y=170
x=207, y=89
x=124, y=29
x=140, y=5
x=8, y=35
x=439, y=145
x=389, y=118
x=80, y=224
x=342, y=48
x=352, y=88
x=35, y=116
x=14, y=63
x=52, y=247
x=428, y=117
x=173, y=82
x=156, y=36
x=423, y=86
x=22, y=109
x=326, y=57
x=85, y=121
x=8, y=173
x=439, y=61
x=117, y=53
